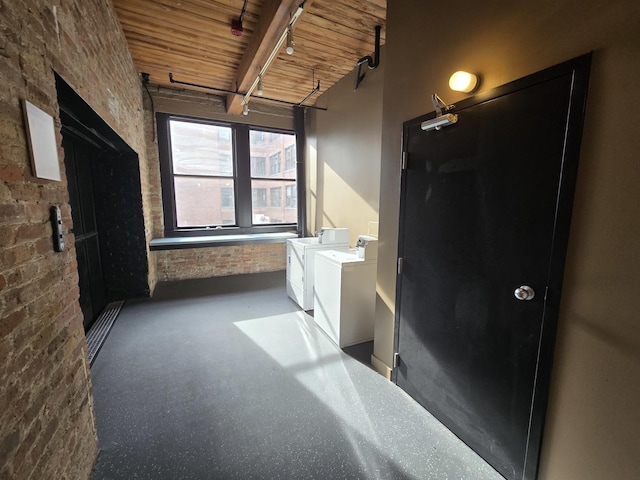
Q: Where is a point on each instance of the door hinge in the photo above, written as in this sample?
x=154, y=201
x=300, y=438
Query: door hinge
x=396, y=360
x=405, y=160
x=400, y=263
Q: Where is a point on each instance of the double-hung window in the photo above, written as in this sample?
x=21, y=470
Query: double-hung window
x=222, y=178
x=272, y=179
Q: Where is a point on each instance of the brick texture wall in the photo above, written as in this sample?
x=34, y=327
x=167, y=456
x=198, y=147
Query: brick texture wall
x=47, y=428
x=219, y=261
x=215, y=261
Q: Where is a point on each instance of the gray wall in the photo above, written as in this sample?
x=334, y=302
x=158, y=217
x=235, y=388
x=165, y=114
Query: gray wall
x=592, y=423
x=344, y=155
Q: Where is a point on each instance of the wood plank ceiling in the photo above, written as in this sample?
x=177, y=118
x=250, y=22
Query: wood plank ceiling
x=192, y=39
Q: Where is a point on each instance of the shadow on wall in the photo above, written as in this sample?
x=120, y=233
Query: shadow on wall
x=383, y=350
x=349, y=140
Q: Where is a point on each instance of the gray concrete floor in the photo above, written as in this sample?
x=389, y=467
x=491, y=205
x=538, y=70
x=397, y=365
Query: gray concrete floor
x=227, y=379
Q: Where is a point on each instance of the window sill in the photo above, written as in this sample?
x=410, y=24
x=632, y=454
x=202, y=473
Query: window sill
x=177, y=243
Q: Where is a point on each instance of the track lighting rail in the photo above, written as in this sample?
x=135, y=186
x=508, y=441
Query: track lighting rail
x=231, y=92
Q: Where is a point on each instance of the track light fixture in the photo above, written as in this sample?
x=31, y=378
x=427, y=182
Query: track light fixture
x=245, y=109
x=260, y=89
x=290, y=42
x=287, y=35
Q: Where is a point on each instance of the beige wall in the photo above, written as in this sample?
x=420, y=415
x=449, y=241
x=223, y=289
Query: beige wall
x=344, y=155
x=594, y=410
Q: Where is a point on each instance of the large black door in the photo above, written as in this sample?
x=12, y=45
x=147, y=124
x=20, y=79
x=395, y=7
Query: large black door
x=79, y=155
x=485, y=209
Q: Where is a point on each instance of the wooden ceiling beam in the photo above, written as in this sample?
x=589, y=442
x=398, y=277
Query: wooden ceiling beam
x=273, y=20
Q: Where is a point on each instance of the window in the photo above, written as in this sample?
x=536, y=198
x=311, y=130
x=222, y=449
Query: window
x=290, y=157
x=275, y=197
x=225, y=178
x=292, y=197
x=227, y=197
x=224, y=134
x=224, y=162
x=259, y=196
x=258, y=166
x=274, y=163
x=257, y=137
x=274, y=213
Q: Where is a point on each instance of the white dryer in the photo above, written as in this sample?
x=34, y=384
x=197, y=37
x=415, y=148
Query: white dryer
x=345, y=292
x=301, y=262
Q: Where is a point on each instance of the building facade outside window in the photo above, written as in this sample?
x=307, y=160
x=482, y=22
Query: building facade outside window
x=273, y=148
x=225, y=178
x=292, y=197
x=290, y=157
x=227, y=197
x=259, y=165
x=275, y=197
x=275, y=161
x=259, y=196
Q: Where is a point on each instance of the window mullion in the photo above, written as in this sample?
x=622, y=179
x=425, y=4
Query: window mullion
x=243, y=176
x=166, y=169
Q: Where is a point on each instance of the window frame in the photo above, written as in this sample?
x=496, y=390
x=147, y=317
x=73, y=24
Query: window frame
x=241, y=161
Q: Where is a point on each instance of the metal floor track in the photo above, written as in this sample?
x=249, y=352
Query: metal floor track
x=99, y=331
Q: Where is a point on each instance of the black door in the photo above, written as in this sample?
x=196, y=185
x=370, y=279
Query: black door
x=485, y=209
x=79, y=155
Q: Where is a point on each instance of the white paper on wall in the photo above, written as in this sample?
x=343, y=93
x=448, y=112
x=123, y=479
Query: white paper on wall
x=42, y=142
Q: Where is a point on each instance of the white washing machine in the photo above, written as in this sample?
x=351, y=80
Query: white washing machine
x=345, y=292
x=301, y=262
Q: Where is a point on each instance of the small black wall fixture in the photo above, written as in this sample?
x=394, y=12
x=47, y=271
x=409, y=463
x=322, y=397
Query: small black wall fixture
x=372, y=63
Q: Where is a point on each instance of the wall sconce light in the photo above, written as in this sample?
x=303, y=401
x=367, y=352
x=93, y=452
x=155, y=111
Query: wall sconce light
x=463, y=82
x=260, y=89
x=245, y=109
x=290, y=42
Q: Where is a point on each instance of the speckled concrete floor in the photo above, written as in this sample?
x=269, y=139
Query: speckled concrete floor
x=228, y=379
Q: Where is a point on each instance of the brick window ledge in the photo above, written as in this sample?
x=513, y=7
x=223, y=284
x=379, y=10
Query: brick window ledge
x=177, y=243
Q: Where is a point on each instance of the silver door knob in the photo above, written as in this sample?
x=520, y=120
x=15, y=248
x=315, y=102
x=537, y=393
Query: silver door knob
x=524, y=293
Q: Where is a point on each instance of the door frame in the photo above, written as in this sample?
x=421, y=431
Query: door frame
x=76, y=134
x=579, y=68
x=128, y=253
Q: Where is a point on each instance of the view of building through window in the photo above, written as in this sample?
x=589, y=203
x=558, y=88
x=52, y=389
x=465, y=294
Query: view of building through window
x=203, y=174
x=205, y=181
x=270, y=178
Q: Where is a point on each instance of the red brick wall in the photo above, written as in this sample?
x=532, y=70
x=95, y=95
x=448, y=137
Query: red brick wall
x=47, y=428
x=219, y=261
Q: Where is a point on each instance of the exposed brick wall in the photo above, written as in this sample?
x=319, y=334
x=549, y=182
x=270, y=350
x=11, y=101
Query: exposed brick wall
x=214, y=261
x=47, y=428
x=219, y=261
